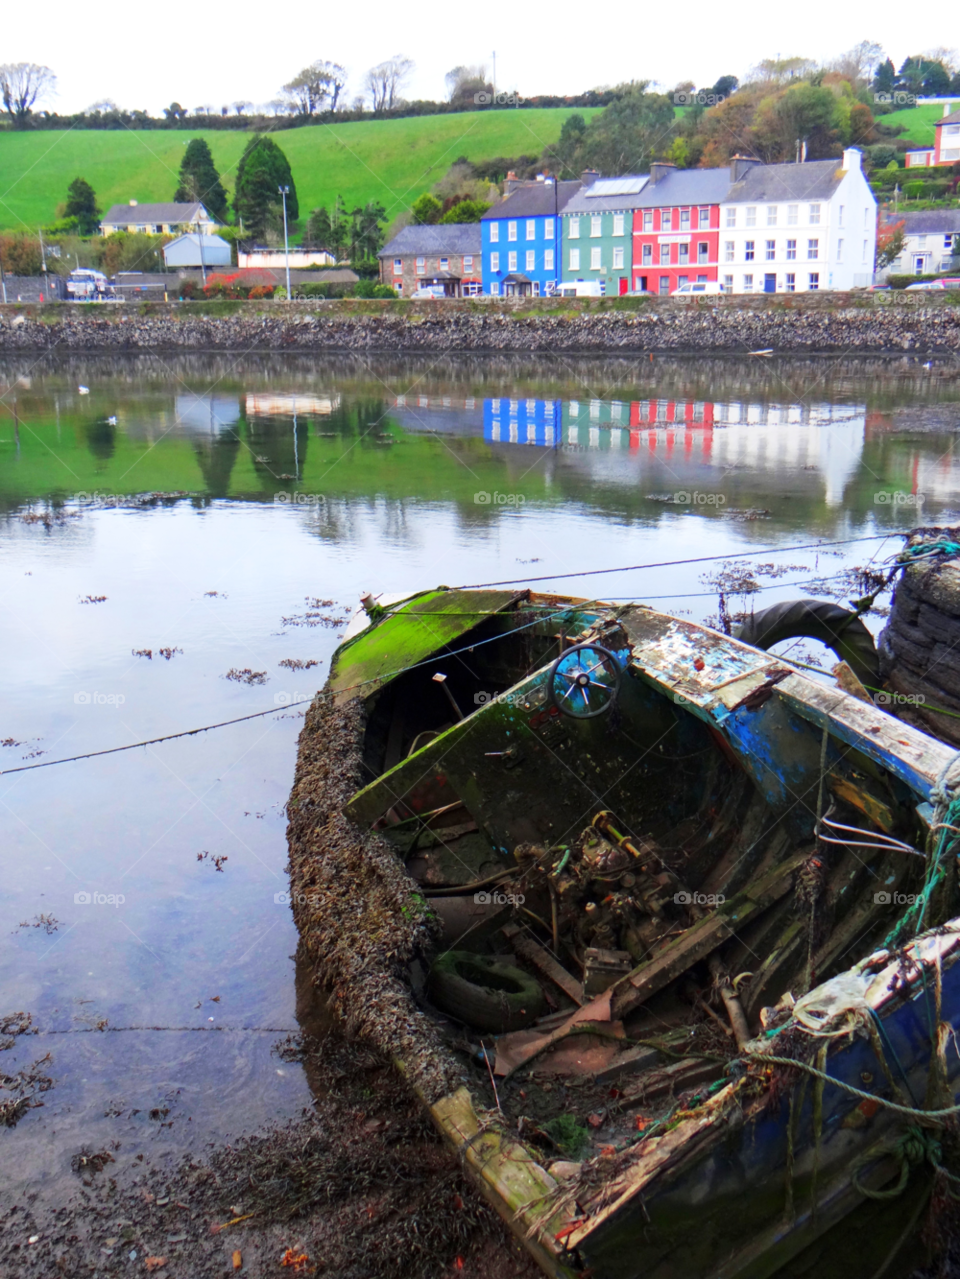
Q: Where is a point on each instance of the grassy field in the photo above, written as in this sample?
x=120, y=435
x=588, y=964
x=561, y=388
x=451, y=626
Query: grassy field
x=392, y=161
x=917, y=123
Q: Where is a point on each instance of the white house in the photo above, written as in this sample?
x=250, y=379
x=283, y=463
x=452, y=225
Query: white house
x=797, y=228
x=157, y=219
x=929, y=240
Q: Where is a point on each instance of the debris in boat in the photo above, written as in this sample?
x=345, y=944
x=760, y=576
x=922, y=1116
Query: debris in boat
x=92, y=599
x=86, y=1161
x=297, y=664
x=246, y=676
x=47, y=922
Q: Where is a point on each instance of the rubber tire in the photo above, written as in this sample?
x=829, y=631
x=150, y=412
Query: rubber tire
x=840, y=629
x=458, y=985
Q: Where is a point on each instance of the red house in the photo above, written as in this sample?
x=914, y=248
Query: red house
x=676, y=227
x=946, y=144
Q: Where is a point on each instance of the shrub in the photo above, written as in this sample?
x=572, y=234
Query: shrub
x=364, y=289
x=315, y=290
x=384, y=291
x=189, y=289
x=261, y=291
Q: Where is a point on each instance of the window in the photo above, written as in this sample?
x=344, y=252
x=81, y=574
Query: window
x=751, y=215
x=646, y=254
x=618, y=224
x=683, y=254
x=596, y=226
x=664, y=254
x=398, y=285
x=771, y=215
x=703, y=251
x=703, y=218
x=793, y=214
x=684, y=219
x=421, y=266
x=683, y=279
x=142, y=230
x=548, y=259
x=840, y=216
x=574, y=259
x=813, y=249
x=444, y=264
x=728, y=284
x=748, y=284
x=531, y=260
x=531, y=229
x=398, y=266
x=948, y=243
x=648, y=220
x=813, y=281
x=748, y=248
x=494, y=261
x=731, y=217
x=865, y=250
x=666, y=219
x=618, y=258
x=574, y=228
x=511, y=230
x=839, y=250
x=595, y=263
x=494, y=232
x=495, y=288
x=814, y=213
x=468, y=262
x=771, y=250
x=664, y=286
x=158, y=230
x=511, y=262
x=866, y=217
x=548, y=228
x=791, y=250
x=791, y=285
x=728, y=251
x=536, y=288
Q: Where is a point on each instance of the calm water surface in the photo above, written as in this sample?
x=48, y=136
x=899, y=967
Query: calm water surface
x=160, y=984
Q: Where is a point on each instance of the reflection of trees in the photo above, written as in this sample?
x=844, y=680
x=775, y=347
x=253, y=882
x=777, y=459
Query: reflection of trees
x=282, y=442
x=101, y=439
x=216, y=455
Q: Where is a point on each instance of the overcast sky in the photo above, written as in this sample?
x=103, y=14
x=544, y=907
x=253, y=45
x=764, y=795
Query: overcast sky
x=213, y=54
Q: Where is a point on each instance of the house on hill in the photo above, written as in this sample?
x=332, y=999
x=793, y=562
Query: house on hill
x=931, y=241
x=946, y=142
x=157, y=219
x=439, y=257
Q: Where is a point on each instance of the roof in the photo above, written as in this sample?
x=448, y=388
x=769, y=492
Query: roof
x=679, y=187
x=193, y=237
x=517, y=278
x=584, y=202
x=814, y=180
x=534, y=199
x=952, y=118
x=927, y=221
x=126, y=213
x=455, y=237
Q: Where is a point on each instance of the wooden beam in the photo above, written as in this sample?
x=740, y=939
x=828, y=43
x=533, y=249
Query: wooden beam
x=541, y=959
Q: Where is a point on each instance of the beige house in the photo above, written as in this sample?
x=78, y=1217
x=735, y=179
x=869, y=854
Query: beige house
x=158, y=219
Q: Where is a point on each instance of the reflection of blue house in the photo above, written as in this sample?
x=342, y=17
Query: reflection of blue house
x=522, y=250
x=522, y=422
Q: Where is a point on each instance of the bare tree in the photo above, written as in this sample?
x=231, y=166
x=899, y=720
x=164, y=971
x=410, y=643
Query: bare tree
x=385, y=81
x=465, y=83
x=948, y=57
x=22, y=85
x=310, y=89
x=241, y=105
x=860, y=62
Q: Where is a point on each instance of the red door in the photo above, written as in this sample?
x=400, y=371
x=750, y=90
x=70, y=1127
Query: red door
x=624, y=285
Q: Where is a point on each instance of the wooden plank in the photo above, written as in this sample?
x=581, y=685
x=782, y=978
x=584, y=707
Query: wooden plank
x=541, y=959
x=701, y=938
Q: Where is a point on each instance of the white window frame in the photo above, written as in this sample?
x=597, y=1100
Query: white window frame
x=511, y=262
x=548, y=259
x=751, y=215
x=646, y=255
x=748, y=284
x=574, y=259
x=813, y=250
x=511, y=230
x=790, y=285
x=666, y=219
x=772, y=214
x=531, y=260
x=727, y=284
x=813, y=282
x=596, y=225
x=684, y=219
x=444, y=264
x=749, y=250
x=596, y=258
x=494, y=261
x=791, y=250
x=648, y=220
x=770, y=250
x=468, y=262
x=494, y=232
x=618, y=224
x=494, y=288
x=839, y=250
x=703, y=217
x=664, y=255
x=729, y=251
x=421, y=266
x=618, y=257
x=793, y=214
x=573, y=232
x=731, y=218
x=548, y=229
x=531, y=231
x=814, y=214
x=398, y=266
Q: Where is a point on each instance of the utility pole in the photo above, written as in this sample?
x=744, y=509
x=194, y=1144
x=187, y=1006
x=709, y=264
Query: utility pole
x=3, y=281
x=203, y=267
x=284, y=192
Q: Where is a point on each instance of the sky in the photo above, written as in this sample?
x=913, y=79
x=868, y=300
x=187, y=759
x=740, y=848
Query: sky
x=147, y=56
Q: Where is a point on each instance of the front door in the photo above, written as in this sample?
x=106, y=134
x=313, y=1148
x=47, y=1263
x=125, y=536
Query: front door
x=770, y=283
x=624, y=285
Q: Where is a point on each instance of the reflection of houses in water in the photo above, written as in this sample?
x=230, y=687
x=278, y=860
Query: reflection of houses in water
x=292, y=405
x=207, y=414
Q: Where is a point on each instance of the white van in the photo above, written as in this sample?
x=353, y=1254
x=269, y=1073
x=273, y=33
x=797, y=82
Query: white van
x=701, y=286
x=583, y=289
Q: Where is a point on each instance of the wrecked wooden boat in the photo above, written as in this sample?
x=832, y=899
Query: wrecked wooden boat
x=662, y=931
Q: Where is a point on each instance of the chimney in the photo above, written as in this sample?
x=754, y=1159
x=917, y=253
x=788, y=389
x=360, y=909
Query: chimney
x=588, y=177
x=659, y=170
x=946, y=108
x=510, y=183
x=740, y=166
x=851, y=158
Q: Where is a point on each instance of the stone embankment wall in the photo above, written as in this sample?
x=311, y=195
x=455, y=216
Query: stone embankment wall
x=858, y=323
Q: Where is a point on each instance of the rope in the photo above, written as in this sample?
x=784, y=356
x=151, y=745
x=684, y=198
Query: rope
x=914, y=1147
x=945, y=794
x=913, y=1111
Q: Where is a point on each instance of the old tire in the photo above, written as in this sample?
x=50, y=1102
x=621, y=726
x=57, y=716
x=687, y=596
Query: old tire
x=485, y=993
x=840, y=629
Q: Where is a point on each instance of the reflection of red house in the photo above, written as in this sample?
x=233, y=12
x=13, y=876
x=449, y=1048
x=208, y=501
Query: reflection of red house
x=676, y=228
x=946, y=145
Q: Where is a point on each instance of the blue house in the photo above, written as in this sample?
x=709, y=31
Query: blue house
x=521, y=238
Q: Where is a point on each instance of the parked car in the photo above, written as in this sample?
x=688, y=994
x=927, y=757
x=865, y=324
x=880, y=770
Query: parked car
x=699, y=286
x=926, y=285
x=429, y=291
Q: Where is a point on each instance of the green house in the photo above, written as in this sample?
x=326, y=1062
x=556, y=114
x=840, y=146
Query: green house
x=598, y=236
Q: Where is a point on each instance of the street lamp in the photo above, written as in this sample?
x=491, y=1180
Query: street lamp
x=284, y=192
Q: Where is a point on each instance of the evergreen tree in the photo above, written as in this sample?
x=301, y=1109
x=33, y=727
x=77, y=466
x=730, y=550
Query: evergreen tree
x=200, y=181
x=885, y=79
x=82, y=205
x=262, y=170
x=318, y=229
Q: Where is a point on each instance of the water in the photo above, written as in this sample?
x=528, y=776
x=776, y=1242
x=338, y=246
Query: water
x=164, y=982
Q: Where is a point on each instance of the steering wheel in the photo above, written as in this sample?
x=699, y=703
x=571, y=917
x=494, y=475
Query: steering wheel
x=584, y=681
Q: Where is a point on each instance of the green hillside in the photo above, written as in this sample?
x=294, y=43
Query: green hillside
x=917, y=123
x=392, y=161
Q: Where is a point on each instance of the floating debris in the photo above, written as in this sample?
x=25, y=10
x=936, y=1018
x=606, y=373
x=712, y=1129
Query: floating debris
x=143, y=652
x=295, y=664
x=246, y=676
x=167, y=653
x=47, y=922
x=217, y=860
x=92, y=599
